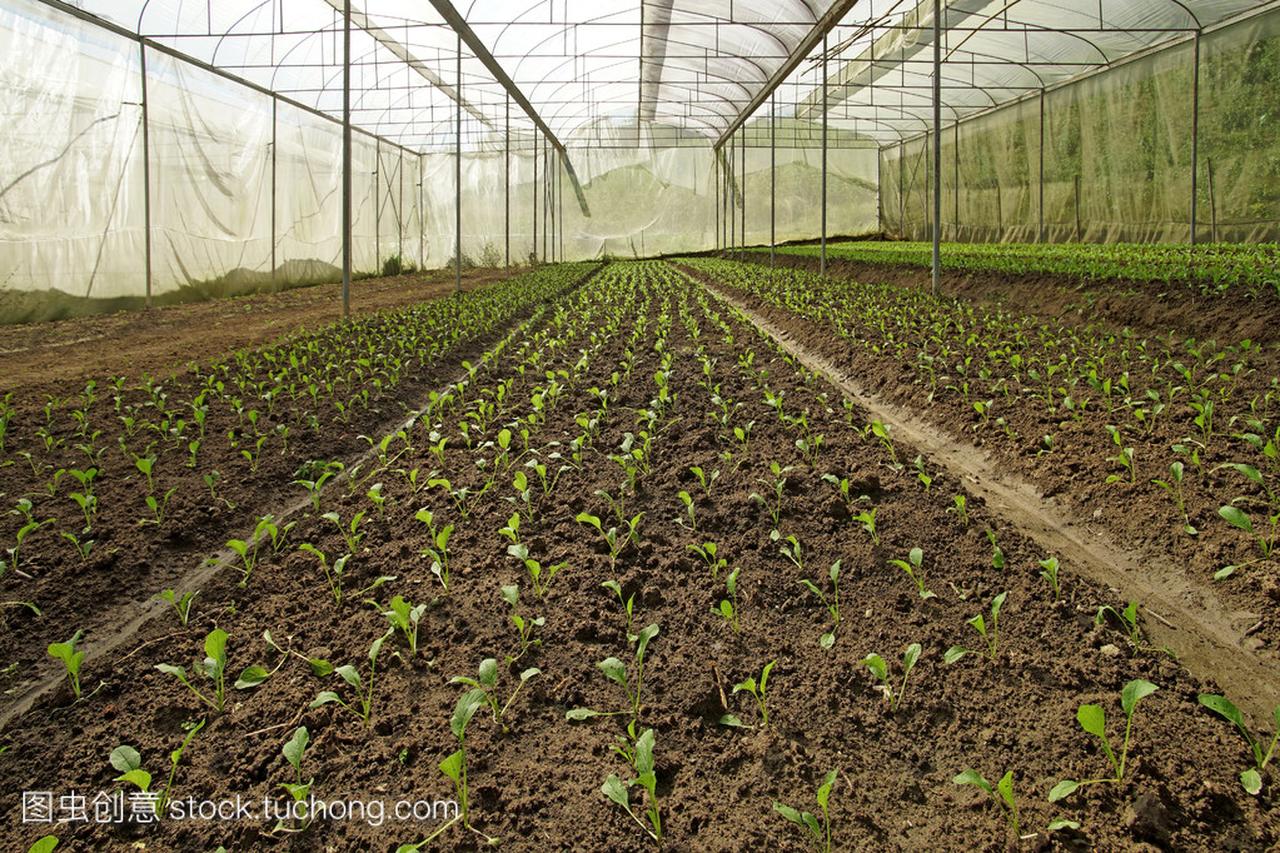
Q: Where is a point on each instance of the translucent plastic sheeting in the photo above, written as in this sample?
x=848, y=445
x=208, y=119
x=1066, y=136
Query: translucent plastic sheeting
x=72, y=225
x=1117, y=153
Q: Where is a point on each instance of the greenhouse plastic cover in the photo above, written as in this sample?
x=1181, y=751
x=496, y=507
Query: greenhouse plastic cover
x=245, y=178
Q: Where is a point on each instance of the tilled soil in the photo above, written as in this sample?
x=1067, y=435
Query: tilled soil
x=537, y=784
x=1075, y=473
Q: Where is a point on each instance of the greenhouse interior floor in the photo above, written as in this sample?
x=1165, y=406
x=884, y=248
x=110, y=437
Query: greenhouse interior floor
x=938, y=528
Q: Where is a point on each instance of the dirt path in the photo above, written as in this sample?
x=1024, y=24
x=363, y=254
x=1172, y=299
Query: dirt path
x=165, y=339
x=1197, y=628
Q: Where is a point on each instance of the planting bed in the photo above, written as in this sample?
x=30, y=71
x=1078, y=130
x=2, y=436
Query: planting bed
x=601, y=405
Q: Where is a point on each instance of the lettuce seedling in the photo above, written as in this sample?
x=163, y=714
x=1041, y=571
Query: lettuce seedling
x=1251, y=778
x=71, y=658
x=820, y=833
x=617, y=791
x=989, y=632
x=1002, y=793
x=728, y=609
x=1094, y=721
x=880, y=670
x=759, y=692
x=487, y=682
x=405, y=618
x=832, y=602
x=912, y=566
x=364, y=691
x=180, y=603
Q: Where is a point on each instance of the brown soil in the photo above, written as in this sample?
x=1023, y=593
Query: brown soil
x=166, y=339
x=537, y=785
x=1146, y=308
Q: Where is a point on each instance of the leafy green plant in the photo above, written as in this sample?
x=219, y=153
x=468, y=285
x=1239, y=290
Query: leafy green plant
x=880, y=669
x=831, y=602
x=616, y=671
x=628, y=604
x=618, y=791
x=298, y=790
x=1237, y=518
x=437, y=549
x=454, y=766
x=1174, y=487
x=334, y=574
x=487, y=682
x=1128, y=618
x=615, y=542
x=1094, y=721
x=71, y=657
x=759, y=692
x=819, y=833
x=707, y=481
x=990, y=632
x=1002, y=793
x=1251, y=778
x=362, y=705
x=248, y=554
x=1049, y=571
x=350, y=532
x=524, y=626
x=180, y=603
x=214, y=668
x=728, y=609
x=405, y=617
x=127, y=760
x=708, y=552
x=912, y=566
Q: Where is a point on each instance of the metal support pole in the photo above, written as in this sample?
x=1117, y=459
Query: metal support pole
x=1040, y=205
x=506, y=192
x=715, y=198
x=400, y=207
x=773, y=178
x=273, y=193
x=956, y=177
x=457, y=181
x=422, y=220
x=377, y=202
x=733, y=200
x=146, y=169
x=534, y=250
x=902, y=189
x=744, y=192
x=822, y=264
x=560, y=200
x=346, y=158
x=937, y=149
x=1195, y=135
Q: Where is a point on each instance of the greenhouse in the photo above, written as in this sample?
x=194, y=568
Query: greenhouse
x=684, y=424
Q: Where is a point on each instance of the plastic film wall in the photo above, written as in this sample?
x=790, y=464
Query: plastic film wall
x=1117, y=154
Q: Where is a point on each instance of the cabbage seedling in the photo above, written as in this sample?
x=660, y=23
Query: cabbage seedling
x=214, y=669
x=1127, y=617
x=1174, y=487
x=248, y=554
x=180, y=603
x=405, y=618
x=1094, y=721
x=728, y=609
x=819, y=833
x=912, y=566
x=487, y=681
x=867, y=518
x=1266, y=541
x=364, y=691
x=759, y=692
x=327, y=470
x=707, y=551
x=292, y=751
x=524, y=627
x=127, y=760
x=989, y=632
x=880, y=670
x=71, y=658
x=1251, y=778
x=439, y=554
x=351, y=533
x=1002, y=793
x=454, y=766
x=790, y=548
x=617, y=791
x=628, y=604
x=832, y=603
x=704, y=479
x=615, y=542
x=997, y=553
x=687, y=500
x=616, y=671
x=332, y=574
x=1049, y=571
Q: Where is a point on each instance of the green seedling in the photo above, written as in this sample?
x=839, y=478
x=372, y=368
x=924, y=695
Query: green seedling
x=248, y=554
x=487, y=682
x=362, y=705
x=819, y=833
x=1237, y=518
x=405, y=618
x=831, y=602
x=990, y=632
x=616, y=671
x=616, y=542
x=334, y=574
x=777, y=484
x=791, y=549
x=1094, y=721
x=159, y=508
x=997, y=553
x=867, y=518
x=704, y=479
x=180, y=603
x=524, y=627
x=71, y=657
x=1250, y=778
x=1174, y=487
x=960, y=509
x=728, y=609
x=214, y=668
x=454, y=766
x=618, y=791
x=686, y=500
x=912, y=566
x=437, y=549
x=126, y=760
x=880, y=670
x=350, y=532
x=1128, y=618
x=298, y=790
x=1049, y=571
x=319, y=474
x=628, y=604
x=707, y=551
x=759, y=692
x=1002, y=793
